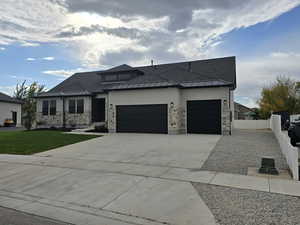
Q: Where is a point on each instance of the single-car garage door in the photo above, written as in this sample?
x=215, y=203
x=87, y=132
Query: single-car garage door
x=142, y=118
x=204, y=116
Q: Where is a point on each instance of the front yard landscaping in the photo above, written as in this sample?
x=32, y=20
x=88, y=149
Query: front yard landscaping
x=30, y=142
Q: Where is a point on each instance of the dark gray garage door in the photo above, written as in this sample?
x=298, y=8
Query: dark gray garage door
x=142, y=118
x=204, y=117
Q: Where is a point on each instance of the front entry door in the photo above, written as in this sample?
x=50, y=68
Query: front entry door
x=98, y=110
x=14, y=117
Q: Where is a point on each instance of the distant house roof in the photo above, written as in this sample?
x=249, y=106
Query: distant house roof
x=200, y=73
x=239, y=105
x=7, y=98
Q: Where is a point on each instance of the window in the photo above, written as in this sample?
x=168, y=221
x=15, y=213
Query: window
x=80, y=106
x=112, y=77
x=125, y=76
x=72, y=106
x=117, y=77
x=53, y=107
x=45, y=108
x=76, y=106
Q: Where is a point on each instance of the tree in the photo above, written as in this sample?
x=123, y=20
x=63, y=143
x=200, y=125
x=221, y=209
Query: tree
x=282, y=95
x=27, y=94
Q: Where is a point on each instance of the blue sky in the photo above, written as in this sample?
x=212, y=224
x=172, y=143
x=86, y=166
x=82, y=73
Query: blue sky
x=63, y=37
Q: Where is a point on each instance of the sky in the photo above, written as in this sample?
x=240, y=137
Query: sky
x=48, y=41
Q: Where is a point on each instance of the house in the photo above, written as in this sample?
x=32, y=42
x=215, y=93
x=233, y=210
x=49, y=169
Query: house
x=10, y=108
x=185, y=97
x=242, y=112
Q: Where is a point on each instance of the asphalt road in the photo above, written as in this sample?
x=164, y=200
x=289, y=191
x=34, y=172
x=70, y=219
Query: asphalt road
x=13, y=217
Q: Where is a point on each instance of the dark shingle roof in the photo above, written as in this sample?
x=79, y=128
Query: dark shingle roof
x=6, y=98
x=200, y=73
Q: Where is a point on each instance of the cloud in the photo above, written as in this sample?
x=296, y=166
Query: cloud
x=30, y=59
x=160, y=30
x=21, y=77
x=63, y=73
x=49, y=58
x=30, y=44
x=9, y=90
x=2, y=48
x=254, y=74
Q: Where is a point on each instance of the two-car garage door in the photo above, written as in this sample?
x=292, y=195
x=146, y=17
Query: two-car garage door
x=142, y=118
x=203, y=117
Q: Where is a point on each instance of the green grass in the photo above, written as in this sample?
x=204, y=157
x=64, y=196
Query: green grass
x=30, y=142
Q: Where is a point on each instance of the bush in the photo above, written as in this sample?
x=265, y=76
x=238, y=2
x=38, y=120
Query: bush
x=101, y=129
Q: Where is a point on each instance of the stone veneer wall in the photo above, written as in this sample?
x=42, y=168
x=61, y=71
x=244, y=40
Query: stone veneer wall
x=226, y=123
x=72, y=120
x=78, y=120
x=174, y=118
x=111, y=118
x=48, y=121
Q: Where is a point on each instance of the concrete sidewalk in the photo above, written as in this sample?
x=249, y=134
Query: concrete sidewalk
x=89, y=196
x=267, y=184
x=123, y=180
x=14, y=217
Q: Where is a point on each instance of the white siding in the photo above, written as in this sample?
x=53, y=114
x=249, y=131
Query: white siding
x=6, y=112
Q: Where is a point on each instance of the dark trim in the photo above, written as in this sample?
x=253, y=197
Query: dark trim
x=60, y=96
x=121, y=72
x=166, y=86
x=141, y=88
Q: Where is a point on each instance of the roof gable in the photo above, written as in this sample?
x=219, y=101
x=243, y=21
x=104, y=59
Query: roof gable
x=7, y=98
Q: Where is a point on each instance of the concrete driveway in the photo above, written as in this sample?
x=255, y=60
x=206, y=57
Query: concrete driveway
x=112, y=180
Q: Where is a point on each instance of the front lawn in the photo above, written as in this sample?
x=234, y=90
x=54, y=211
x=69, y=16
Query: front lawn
x=30, y=142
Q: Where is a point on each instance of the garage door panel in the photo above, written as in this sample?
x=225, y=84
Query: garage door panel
x=204, y=116
x=142, y=118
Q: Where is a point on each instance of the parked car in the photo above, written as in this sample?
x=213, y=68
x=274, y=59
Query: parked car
x=294, y=133
x=8, y=123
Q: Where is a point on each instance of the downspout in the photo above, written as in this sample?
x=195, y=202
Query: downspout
x=64, y=113
x=230, y=132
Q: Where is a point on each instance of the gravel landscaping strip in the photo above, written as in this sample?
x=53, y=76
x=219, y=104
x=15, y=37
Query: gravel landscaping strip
x=243, y=149
x=232, y=206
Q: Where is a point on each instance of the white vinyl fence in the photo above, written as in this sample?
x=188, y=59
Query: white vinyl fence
x=290, y=152
x=295, y=118
x=251, y=124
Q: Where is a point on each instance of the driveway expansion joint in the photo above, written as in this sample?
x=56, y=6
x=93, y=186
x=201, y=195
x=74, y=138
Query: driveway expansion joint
x=53, y=203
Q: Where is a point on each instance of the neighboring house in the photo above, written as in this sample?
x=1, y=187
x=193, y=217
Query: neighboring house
x=242, y=112
x=10, y=108
x=186, y=97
